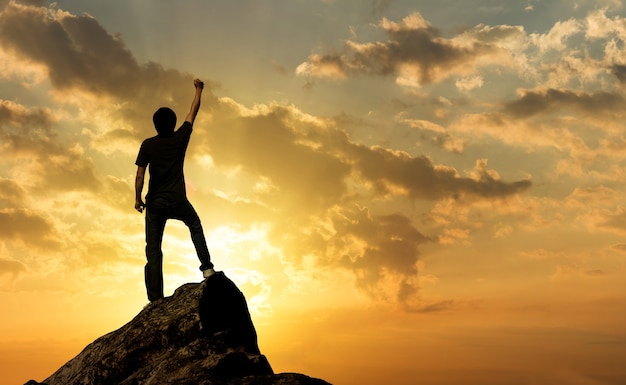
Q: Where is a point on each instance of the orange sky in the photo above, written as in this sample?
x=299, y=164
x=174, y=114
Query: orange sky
x=406, y=192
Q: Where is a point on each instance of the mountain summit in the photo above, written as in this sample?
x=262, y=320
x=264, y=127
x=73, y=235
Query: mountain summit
x=201, y=335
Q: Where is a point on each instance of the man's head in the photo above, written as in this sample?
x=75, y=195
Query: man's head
x=164, y=121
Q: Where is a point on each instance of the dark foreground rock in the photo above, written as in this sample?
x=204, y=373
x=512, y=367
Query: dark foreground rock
x=201, y=335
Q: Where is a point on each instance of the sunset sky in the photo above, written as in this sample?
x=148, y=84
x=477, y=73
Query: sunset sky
x=407, y=192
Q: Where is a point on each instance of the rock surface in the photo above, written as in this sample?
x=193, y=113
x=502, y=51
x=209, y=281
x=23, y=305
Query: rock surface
x=201, y=335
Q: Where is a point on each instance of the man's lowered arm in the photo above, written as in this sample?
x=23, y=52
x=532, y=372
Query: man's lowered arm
x=139, y=204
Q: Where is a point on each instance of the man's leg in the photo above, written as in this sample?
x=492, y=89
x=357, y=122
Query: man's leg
x=155, y=224
x=190, y=217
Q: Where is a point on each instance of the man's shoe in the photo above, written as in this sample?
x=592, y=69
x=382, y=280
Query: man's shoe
x=208, y=272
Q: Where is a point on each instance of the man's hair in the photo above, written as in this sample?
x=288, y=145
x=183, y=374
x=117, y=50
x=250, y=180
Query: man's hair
x=164, y=121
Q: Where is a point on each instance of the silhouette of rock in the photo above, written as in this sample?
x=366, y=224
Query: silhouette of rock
x=201, y=335
x=223, y=309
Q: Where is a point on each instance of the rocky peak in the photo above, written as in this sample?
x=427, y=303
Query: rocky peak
x=201, y=335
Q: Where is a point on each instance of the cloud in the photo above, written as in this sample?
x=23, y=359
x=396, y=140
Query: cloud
x=572, y=53
x=96, y=252
x=311, y=163
x=469, y=83
x=431, y=306
x=284, y=146
x=116, y=192
x=381, y=251
x=88, y=66
x=40, y=158
x=423, y=179
x=551, y=101
x=388, y=241
x=32, y=146
x=557, y=36
x=415, y=53
x=615, y=220
x=12, y=268
x=619, y=70
x=11, y=193
x=24, y=131
x=75, y=49
x=86, y=43
x=621, y=247
x=302, y=174
x=558, y=118
x=313, y=174
x=576, y=270
x=389, y=249
x=599, y=26
x=28, y=227
x=10, y=271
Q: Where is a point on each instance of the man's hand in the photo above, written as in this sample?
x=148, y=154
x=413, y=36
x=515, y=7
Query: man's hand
x=198, y=84
x=140, y=206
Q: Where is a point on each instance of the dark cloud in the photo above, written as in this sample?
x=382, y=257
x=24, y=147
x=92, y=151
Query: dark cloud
x=71, y=171
x=75, y=49
x=11, y=193
x=80, y=54
x=27, y=134
x=386, y=168
x=619, y=71
x=551, y=100
x=575, y=269
x=375, y=248
x=275, y=145
x=317, y=175
x=310, y=164
x=621, y=247
x=448, y=142
x=615, y=220
x=28, y=227
x=117, y=193
x=24, y=131
x=97, y=252
x=12, y=268
x=430, y=307
x=390, y=242
x=280, y=69
x=414, y=48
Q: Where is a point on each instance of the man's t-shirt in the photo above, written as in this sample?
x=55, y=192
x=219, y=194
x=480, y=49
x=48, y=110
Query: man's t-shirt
x=165, y=156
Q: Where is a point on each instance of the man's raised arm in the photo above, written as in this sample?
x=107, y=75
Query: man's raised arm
x=195, y=105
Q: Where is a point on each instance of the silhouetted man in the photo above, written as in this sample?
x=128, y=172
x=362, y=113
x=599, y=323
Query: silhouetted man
x=167, y=197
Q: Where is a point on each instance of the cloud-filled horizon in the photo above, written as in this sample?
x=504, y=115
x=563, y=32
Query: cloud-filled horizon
x=396, y=160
